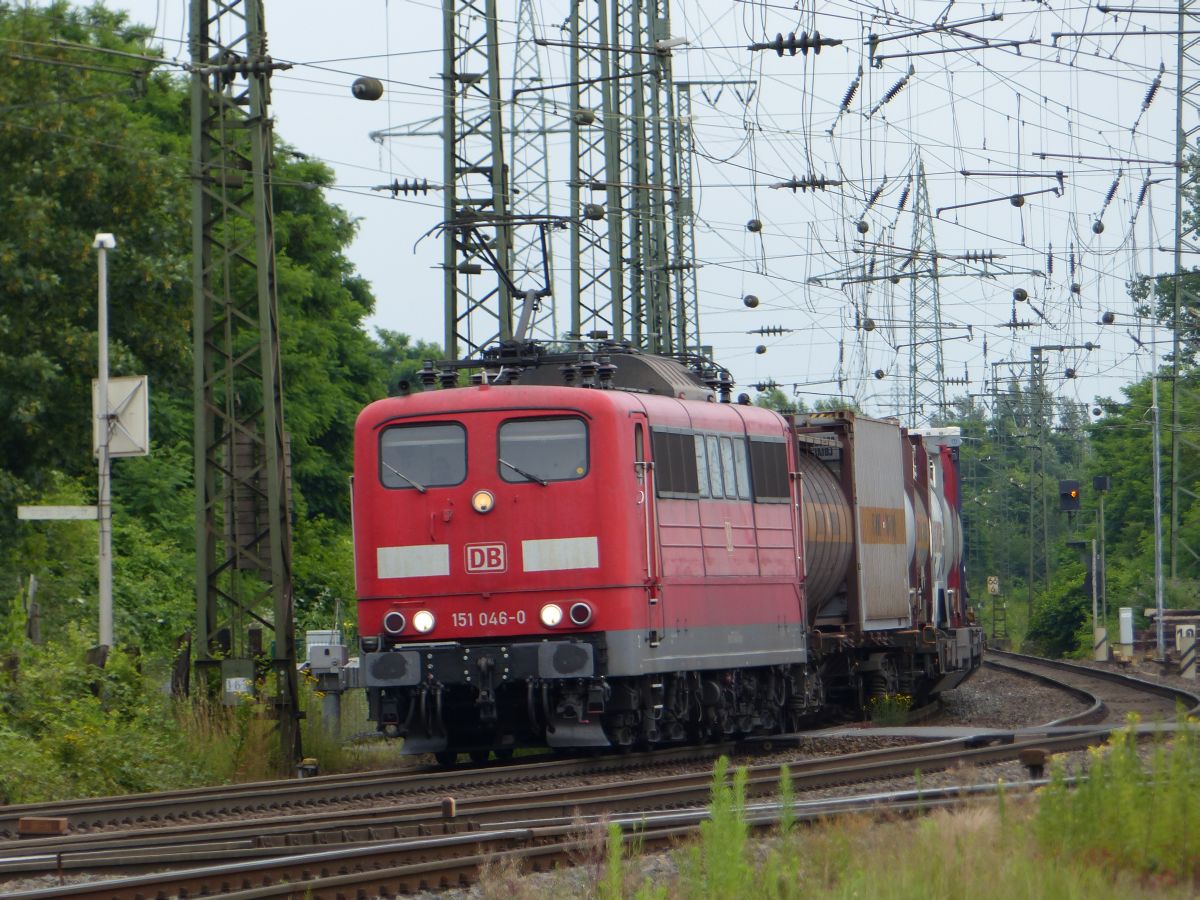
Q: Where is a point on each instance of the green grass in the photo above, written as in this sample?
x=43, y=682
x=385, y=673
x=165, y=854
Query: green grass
x=1128, y=830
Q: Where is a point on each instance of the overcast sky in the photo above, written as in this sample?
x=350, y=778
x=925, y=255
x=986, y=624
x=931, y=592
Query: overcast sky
x=984, y=111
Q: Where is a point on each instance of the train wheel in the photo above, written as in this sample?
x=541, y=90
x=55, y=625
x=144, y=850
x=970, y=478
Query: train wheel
x=479, y=757
x=446, y=757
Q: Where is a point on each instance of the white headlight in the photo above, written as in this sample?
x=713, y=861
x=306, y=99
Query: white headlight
x=393, y=621
x=551, y=614
x=483, y=501
x=423, y=621
x=580, y=613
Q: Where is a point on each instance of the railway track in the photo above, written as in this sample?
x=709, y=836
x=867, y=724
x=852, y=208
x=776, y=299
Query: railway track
x=440, y=863
x=269, y=851
x=1114, y=694
x=415, y=841
x=264, y=797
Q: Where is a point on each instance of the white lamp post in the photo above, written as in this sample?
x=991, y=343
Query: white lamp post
x=102, y=244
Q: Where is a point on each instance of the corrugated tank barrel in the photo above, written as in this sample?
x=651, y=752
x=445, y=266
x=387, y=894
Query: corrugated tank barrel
x=828, y=533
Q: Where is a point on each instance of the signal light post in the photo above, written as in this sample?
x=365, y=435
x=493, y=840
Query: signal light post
x=1068, y=496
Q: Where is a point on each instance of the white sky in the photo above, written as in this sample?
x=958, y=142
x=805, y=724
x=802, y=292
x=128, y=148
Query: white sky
x=979, y=111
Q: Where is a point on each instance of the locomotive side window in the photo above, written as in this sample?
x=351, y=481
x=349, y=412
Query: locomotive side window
x=730, y=468
x=714, y=465
x=543, y=450
x=675, y=471
x=769, y=471
x=702, y=468
x=741, y=466
x=422, y=456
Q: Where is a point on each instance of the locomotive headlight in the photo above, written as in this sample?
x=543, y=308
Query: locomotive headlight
x=551, y=615
x=483, y=501
x=393, y=621
x=423, y=621
x=580, y=613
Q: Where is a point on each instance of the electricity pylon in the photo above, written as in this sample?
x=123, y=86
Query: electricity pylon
x=478, y=305
x=243, y=531
x=926, y=367
x=530, y=180
x=1184, y=448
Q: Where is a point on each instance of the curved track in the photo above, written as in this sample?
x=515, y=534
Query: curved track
x=1115, y=695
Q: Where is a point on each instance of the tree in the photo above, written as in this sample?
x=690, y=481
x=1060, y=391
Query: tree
x=402, y=360
x=93, y=141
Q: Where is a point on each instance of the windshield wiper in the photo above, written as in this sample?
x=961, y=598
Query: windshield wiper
x=520, y=471
x=420, y=487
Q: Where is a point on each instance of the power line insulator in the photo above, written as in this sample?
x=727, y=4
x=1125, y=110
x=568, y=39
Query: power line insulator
x=794, y=43
x=416, y=186
x=808, y=183
x=366, y=88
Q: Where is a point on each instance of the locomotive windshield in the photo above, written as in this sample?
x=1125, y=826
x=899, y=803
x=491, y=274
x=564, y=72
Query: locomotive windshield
x=543, y=450
x=422, y=456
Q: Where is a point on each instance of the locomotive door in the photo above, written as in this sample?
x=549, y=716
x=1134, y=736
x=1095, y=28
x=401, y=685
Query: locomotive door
x=655, y=614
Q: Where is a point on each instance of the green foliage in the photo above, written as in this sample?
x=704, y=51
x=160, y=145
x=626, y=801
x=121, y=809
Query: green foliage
x=84, y=149
x=787, y=802
x=612, y=885
x=1126, y=831
x=716, y=867
x=889, y=709
x=1127, y=814
x=72, y=729
x=402, y=359
x=323, y=576
x=776, y=399
x=91, y=142
x=1061, y=622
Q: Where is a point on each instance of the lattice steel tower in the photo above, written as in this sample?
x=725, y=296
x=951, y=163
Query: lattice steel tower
x=243, y=532
x=926, y=369
x=1185, y=461
x=478, y=306
x=630, y=168
x=530, y=180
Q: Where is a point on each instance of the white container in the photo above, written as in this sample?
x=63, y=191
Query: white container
x=1125, y=630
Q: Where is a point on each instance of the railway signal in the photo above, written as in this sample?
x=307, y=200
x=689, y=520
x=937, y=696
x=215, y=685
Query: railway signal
x=1068, y=496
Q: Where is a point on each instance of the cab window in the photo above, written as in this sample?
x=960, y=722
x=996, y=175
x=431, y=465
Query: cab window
x=543, y=449
x=422, y=456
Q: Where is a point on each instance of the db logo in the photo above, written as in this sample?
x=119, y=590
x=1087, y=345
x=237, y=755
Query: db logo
x=486, y=558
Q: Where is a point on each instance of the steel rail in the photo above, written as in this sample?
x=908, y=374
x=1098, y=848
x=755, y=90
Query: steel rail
x=477, y=816
x=181, y=805
x=1189, y=699
x=439, y=863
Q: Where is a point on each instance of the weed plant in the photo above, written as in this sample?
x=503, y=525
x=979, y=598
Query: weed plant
x=1127, y=815
x=889, y=709
x=1126, y=831
x=69, y=728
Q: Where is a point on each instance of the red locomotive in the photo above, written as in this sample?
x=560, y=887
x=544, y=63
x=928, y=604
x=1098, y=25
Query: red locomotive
x=591, y=552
